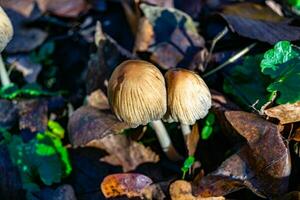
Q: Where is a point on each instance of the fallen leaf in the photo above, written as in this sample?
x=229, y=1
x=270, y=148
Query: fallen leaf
x=88, y=123
x=109, y=55
x=26, y=66
x=8, y=113
x=63, y=8
x=98, y=100
x=182, y=190
x=252, y=11
x=128, y=184
x=23, y=7
x=169, y=35
x=262, y=165
x=265, y=31
x=123, y=151
x=25, y=38
x=33, y=115
x=191, y=7
x=296, y=135
x=286, y=113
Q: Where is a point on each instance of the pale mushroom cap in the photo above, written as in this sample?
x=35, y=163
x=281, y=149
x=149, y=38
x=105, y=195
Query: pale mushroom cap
x=189, y=98
x=6, y=29
x=137, y=92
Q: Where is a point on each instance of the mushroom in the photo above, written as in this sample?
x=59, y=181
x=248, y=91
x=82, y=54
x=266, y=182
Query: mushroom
x=188, y=100
x=6, y=33
x=137, y=96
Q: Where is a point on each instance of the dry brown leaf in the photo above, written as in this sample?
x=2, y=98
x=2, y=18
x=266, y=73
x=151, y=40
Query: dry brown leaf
x=33, y=115
x=122, y=151
x=296, y=135
x=253, y=11
x=262, y=165
x=98, y=99
x=286, y=113
x=265, y=31
x=145, y=36
x=182, y=190
x=169, y=35
x=129, y=184
x=192, y=140
x=88, y=123
x=23, y=7
x=63, y=8
x=25, y=38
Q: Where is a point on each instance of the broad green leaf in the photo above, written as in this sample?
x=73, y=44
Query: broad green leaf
x=281, y=53
x=43, y=157
x=246, y=83
x=288, y=83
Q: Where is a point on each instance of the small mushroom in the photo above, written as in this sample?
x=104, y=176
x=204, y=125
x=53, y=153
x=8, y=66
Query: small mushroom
x=6, y=33
x=137, y=96
x=189, y=98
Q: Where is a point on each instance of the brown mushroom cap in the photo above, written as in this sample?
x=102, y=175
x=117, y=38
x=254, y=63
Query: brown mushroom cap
x=189, y=98
x=137, y=92
x=6, y=29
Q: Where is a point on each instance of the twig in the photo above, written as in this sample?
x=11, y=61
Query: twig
x=231, y=60
x=213, y=44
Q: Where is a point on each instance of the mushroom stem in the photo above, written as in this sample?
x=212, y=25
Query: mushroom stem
x=3, y=73
x=185, y=129
x=164, y=140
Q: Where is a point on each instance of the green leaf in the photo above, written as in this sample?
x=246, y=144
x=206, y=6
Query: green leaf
x=188, y=163
x=288, y=83
x=281, y=53
x=56, y=128
x=43, y=157
x=206, y=132
x=246, y=83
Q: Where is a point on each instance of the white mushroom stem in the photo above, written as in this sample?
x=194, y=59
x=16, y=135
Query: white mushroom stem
x=3, y=73
x=164, y=140
x=185, y=129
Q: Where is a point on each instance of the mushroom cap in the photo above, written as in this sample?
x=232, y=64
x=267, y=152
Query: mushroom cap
x=189, y=98
x=137, y=92
x=6, y=29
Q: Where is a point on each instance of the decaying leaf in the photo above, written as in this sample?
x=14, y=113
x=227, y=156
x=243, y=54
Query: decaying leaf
x=182, y=190
x=25, y=38
x=128, y=184
x=253, y=11
x=63, y=8
x=23, y=7
x=265, y=31
x=296, y=136
x=109, y=55
x=169, y=35
x=88, y=123
x=262, y=165
x=123, y=151
x=33, y=115
x=98, y=100
x=286, y=113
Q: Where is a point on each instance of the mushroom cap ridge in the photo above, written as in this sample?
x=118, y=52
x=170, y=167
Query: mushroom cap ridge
x=189, y=98
x=137, y=92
